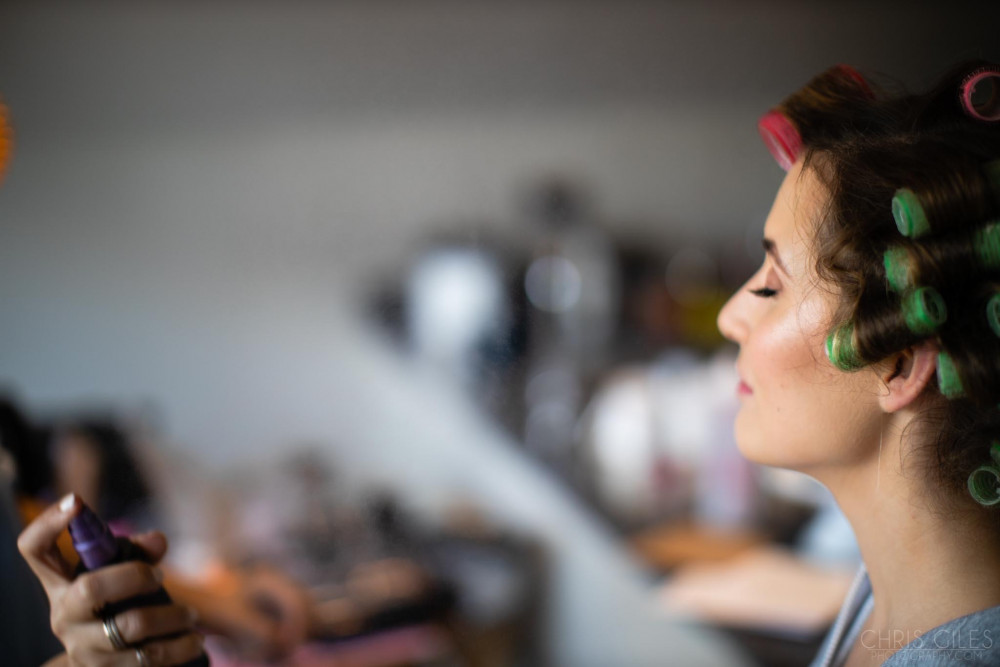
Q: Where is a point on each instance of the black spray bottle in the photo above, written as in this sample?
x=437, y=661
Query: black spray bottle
x=98, y=547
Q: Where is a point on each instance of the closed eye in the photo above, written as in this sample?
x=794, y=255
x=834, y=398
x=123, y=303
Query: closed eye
x=765, y=292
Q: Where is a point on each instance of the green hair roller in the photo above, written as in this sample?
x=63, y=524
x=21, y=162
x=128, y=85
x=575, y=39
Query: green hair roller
x=993, y=313
x=896, y=261
x=911, y=219
x=840, y=348
x=987, y=242
x=924, y=310
x=984, y=482
x=949, y=382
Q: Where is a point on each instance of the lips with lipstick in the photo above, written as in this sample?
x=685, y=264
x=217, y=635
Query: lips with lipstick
x=742, y=389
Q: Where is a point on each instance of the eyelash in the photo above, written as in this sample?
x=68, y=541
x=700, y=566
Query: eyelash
x=765, y=292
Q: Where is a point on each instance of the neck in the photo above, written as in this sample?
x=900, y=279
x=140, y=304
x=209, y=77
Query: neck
x=928, y=564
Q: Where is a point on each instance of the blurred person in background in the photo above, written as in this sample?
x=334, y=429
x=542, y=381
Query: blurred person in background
x=251, y=612
x=30, y=633
x=263, y=612
x=92, y=458
x=868, y=351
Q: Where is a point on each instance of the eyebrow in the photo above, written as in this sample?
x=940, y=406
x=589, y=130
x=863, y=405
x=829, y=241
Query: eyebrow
x=772, y=249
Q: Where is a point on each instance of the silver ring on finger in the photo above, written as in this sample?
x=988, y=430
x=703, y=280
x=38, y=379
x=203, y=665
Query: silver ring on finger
x=113, y=634
x=140, y=656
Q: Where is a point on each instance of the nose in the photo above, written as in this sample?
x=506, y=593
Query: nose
x=731, y=321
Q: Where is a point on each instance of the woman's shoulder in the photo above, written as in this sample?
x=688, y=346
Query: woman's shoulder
x=973, y=639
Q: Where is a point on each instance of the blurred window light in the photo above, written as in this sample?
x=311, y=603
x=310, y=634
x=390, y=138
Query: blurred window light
x=456, y=297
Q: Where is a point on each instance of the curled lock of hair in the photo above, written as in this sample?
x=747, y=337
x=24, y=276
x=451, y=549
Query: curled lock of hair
x=955, y=263
x=956, y=191
x=882, y=327
x=975, y=348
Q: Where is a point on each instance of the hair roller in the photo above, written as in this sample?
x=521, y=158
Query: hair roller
x=949, y=381
x=781, y=138
x=841, y=348
x=979, y=94
x=924, y=310
x=987, y=240
x=984, y=482
x=969, y=366
x=958, y=192
x=947, y=258
x=837, y=89
x=880, y=325
x=849, y=73
x=898, y=268
x=909, y=214
x=993, y=313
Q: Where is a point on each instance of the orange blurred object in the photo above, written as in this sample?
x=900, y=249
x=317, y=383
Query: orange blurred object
x=672, y=544
x=6, y=140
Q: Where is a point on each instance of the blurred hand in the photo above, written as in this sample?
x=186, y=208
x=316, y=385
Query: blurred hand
x=75, y=602
x=262, y=613
x=278, y=596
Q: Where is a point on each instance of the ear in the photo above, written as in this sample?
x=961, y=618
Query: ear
x=910, y=372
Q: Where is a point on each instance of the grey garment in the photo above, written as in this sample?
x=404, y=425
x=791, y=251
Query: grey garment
x=969, y=640
x=25, y=636
x=838, y=642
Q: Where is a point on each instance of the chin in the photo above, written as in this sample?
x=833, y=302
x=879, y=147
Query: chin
x=755, y=451
x=765, y=449
x=749, y=440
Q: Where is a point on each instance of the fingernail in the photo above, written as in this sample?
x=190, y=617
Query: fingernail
x=158, y=575
x=66, y=504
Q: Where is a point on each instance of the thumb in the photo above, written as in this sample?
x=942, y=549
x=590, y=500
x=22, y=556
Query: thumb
x=153, y=545
x=37, y=543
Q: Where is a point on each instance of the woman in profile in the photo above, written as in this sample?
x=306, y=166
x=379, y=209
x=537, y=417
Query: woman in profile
x=94, y=459
x=870, y=351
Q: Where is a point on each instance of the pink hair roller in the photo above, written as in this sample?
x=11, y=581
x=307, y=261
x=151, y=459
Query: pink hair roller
x=781, y=137
x=853, y=74
x=980, y=94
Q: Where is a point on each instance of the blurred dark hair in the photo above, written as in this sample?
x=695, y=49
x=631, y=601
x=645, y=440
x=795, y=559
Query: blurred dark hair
x=26, y=444
x=865, y=144
x=122, y=486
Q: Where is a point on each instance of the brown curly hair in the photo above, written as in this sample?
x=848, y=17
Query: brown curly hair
x=865, y=144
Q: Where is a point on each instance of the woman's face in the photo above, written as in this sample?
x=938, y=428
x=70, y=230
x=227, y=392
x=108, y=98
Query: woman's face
x=797, y=410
